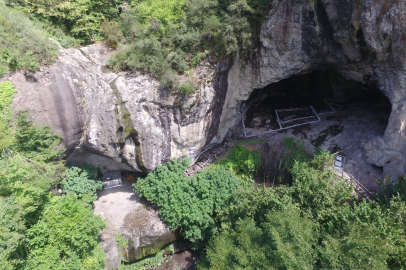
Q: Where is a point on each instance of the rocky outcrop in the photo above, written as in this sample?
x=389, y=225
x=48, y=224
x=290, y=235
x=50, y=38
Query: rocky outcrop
x=145, y=234
x=134, y=229
x=126, y=117
x=361, y=40
x=130, y=119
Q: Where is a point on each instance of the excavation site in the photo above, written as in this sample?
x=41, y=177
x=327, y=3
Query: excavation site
x=323, y=109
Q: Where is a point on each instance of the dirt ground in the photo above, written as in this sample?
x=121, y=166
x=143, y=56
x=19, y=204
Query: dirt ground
x=344, y=132
x=115, y=203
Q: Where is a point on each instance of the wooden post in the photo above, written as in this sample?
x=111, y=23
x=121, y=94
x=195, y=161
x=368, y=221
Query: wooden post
x=277, y=119
x=314, y=111
x=334, y=110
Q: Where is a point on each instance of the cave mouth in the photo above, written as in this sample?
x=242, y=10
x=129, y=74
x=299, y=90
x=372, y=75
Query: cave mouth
x=324, y=109
x=304, y=98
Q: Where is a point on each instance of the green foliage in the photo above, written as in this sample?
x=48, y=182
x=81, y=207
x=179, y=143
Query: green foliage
x=243, y=162
x=296, y=151
x=167, y=37
x=284, y=240
x=7, y=138
x=66, y=237
x=7, y=92
x=36, y=142
x=24, y=185
x=22, y=44
x=56, y=32
x=82, y=19
x=37, y=230
x=312, y=188
x=82, y=182
x=187, y=88
x=12, y=227
x=166, y=11
x=313, y=223
x=389, y=189
x=191, y=203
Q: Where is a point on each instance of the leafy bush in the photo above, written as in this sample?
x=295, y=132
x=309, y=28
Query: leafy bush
x=296, y=151
x=36, y=142
x=284, y=240
x=22, y=44
x=81, y=19
x=161, y=36
x=12, y=238
x=66, y=237
x=187, y=88
x=82, y=182
x=307, y=225
x=312, y=188
x=243, y=162
x=7, y=92
x=191, y=203
x=7, y=138
x=166, y=11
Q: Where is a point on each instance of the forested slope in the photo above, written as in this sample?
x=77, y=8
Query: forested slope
x=163, y=38
x=39, y=230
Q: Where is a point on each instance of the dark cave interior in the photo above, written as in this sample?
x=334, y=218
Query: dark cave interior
x=292, y=98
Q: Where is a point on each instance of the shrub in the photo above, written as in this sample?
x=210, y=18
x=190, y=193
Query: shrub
x=22, y=44
x=36, y=142
x=82, y=182
x=243, y=162
x=182, y=30
x=169, y=79
x=7, y=92
x=191, y=203
x=66, y=237
x=284, y=240
x=187, y=88
x=310, y=224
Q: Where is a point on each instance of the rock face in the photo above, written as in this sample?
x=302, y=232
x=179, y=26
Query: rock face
x=134, y=222
x=146, y=234
x=361, y=40
x=129, y=119
x=126, y=117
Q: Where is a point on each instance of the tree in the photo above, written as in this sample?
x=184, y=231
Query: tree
x=66, y=237
x=191, y=203
x=281, y=240
x=82, y=182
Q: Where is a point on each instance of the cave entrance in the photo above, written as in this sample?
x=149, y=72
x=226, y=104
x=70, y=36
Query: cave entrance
x=304, y=99
x=322, y=108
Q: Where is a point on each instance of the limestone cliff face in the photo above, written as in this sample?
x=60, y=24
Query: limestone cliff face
x=128, y=118
x=120, y=120
x=362, y=40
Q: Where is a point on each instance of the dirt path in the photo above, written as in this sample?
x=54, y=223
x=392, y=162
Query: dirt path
x=114, y=204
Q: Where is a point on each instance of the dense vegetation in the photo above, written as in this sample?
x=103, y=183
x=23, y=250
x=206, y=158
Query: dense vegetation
x=39, y=230
x=82, y=182
x=168, y=37
x=22, y=44
x=165, y=38
x=189, y=202
x=313, y=222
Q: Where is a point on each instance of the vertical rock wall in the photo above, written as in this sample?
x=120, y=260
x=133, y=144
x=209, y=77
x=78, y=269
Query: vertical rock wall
x=362, y=40
x=121, y=120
